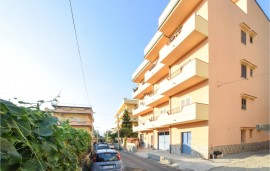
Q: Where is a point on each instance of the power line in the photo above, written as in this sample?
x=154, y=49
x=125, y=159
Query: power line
x=79, y=52
x=220, y=83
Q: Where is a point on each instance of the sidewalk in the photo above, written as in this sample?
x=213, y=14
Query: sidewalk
x=189, y=163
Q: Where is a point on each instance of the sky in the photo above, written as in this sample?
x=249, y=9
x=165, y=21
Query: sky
x=39, y=57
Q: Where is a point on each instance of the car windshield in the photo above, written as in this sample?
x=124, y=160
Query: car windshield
x=100, y=147
x=104, y=157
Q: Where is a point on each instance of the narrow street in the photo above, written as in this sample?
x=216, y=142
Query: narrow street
x=136, y=163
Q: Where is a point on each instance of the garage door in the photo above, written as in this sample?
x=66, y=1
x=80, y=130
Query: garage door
x=163, y=141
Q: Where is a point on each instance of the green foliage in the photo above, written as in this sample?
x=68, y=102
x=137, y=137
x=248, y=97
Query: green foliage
x=126, y=123
x=32, y=140
x=112, y=136
x=126, y=127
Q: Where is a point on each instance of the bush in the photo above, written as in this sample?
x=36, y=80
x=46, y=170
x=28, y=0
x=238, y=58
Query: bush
x=32, y=140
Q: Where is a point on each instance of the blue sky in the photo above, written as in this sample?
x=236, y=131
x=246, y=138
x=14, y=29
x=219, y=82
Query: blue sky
x=39, y=57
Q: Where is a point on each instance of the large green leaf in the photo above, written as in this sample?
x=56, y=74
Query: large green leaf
x=48, y=121
x=24, y=127
x=44, y=131
x=7, y=149
x=12, y=108
x=3, y=108
x=34, y=165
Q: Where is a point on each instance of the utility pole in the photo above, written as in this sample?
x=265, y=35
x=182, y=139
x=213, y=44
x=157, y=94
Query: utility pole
x=118, y=135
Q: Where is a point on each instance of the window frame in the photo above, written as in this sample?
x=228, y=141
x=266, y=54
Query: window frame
x=243, y=103
x=243, y=71
x=250, y=39
x=243, y=136
x=243, y=37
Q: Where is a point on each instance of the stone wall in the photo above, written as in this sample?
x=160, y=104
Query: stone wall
x=197, y=151
x=240, y=148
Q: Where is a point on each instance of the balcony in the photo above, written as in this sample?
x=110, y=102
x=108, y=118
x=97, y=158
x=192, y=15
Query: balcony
x=82, y=123
x=156, y=73
x=155, y=99
x=138, y=75
x=192, y=113
x=151, y=51
x=192, y=33
x=174, y=14
x=141, y=109
x=143, y=126
x=141, y=90
x=189, y=75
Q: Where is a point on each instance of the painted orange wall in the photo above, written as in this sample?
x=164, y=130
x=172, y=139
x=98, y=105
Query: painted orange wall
x=225, y=52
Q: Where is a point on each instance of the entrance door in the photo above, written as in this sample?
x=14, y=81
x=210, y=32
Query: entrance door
x=163, y=141
x=186, y=142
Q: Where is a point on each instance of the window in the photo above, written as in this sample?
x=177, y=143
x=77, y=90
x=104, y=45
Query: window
x=188, y=101
x=244, y=104
x=243, y=71
x=243, y=37
x=243, y=136
x=251, y=39
x=251, y=72
x=182, y=104
x=251, y=133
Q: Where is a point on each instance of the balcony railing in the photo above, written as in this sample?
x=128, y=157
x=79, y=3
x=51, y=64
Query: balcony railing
x=174, y=14
x=153, y=47
x=138, y=75
x=194, y=30
x=155, y=98
x=156, y=73
x=192, y=73
x=141, y=90
x=191, y=113
x=141, y=109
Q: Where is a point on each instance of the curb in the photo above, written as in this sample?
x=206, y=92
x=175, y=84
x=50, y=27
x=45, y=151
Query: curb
x=161, y=159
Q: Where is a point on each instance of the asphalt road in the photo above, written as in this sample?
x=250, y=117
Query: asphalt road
x=136, y=163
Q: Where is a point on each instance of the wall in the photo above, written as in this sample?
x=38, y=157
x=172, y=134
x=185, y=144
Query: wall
x=226, y=118
x=199, y=138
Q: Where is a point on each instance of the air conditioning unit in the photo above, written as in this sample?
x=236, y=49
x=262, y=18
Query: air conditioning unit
x=260, y=127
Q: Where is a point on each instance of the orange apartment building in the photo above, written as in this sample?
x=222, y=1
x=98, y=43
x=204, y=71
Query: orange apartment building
x=204, y=83
x=80, y=117
x=129, y=105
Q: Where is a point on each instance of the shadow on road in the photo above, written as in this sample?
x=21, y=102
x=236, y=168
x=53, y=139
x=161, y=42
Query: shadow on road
x=134, y=169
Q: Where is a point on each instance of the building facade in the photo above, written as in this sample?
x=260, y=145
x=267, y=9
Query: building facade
x=79, y=117
x=129, y=105
x=204, y=83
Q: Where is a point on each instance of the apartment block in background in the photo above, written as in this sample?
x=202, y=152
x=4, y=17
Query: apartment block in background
x=204, y=83
x=129, y=105
x=80, y=117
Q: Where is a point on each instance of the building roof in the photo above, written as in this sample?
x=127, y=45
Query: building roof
x=72, y=109
x=124, y=103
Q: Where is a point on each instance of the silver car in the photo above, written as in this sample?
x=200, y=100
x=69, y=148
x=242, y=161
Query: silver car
x=107, y=159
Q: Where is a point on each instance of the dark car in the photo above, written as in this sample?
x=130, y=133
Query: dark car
x=106, y=159
x=101, y=146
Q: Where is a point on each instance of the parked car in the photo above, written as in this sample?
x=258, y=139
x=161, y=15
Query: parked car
x=111, y=145
x=101, y=146
x=106, y=159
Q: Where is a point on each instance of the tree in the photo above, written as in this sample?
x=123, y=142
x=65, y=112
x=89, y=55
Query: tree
x=126, y=127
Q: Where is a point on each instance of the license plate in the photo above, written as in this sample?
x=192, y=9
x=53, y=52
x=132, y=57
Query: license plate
x=108, y=167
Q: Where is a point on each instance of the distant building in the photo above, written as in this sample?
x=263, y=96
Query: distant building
x=204, y=83
x=129, y=105
x=80, y=117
